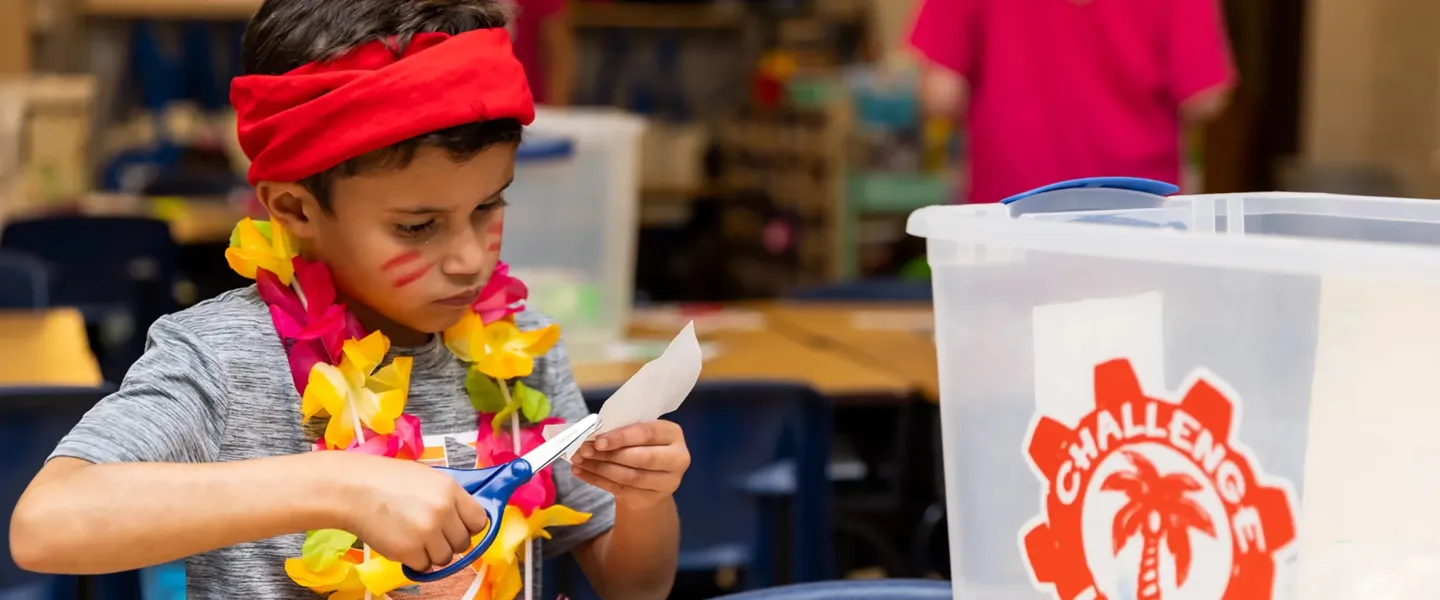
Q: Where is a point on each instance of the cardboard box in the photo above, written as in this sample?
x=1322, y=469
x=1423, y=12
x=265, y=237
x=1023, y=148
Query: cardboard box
x=1372, y=89
x=45, y=124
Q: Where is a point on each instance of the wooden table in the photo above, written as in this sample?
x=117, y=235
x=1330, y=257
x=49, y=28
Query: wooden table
x=825, y=346
x=762, y=355
x=192, y=221
x=896, y=338
x=46, y=348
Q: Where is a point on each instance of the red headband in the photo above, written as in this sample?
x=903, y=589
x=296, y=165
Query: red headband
x=298, y=124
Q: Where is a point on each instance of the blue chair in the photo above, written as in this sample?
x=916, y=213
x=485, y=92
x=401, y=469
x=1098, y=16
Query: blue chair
x=166, y=74
x=756, y=448
x=49, y=588
x=876, y=589
x=113, y=269
x=866, y=290
x=24, y=282
x=163, y=582
x=32, y=421
x=862, y=504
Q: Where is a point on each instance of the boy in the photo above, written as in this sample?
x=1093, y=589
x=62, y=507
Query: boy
x=1053, y=90
x=376, y=129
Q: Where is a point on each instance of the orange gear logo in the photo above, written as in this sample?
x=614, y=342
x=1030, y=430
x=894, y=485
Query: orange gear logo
x=1153, y=499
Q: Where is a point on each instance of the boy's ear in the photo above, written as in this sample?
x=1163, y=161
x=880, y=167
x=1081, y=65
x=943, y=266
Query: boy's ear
x=290, y=204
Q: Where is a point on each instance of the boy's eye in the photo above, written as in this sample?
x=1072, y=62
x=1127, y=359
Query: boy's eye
x=414, y=230
x=492, y=205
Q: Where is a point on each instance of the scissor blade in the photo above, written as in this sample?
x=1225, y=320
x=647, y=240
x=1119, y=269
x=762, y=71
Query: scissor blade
x=545, y=454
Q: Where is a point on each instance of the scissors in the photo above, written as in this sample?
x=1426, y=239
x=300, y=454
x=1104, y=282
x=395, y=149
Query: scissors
x=493, y=486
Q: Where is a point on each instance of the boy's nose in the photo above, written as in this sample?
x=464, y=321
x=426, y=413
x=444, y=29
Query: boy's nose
x=466, y=257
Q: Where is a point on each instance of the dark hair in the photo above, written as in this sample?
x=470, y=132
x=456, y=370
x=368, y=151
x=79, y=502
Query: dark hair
x=286, y=34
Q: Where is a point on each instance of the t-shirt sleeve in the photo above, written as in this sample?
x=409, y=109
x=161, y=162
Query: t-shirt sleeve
x=1199, y=49
x=169, y=408
x=567, y=403
x=946, y=32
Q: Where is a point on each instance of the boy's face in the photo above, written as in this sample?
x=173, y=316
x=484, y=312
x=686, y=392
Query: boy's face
x=414, y=245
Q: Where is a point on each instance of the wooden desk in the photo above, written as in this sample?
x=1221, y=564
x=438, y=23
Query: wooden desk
x=766, y=355
x=204, y=221
x=225, y=10
x=46, y=348
x=895, y=338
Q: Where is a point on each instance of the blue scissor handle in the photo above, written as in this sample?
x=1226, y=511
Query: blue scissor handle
x=492, y=488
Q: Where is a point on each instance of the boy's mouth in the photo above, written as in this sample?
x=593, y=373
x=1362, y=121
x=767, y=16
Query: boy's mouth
x=465, y=298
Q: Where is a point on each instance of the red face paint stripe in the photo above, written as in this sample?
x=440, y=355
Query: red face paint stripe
x=400, y=259
x=412, y=277
x=497, y=231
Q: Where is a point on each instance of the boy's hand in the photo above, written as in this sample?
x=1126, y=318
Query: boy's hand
x=409, y=512
x=641, y=464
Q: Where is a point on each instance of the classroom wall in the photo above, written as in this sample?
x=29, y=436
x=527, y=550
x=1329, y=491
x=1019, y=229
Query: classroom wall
x=1372, y=92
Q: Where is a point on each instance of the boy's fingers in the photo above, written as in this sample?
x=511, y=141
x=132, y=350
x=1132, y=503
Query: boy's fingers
x=439, y=550
x=471, y=514
x=615, y=488
x=457, y=536
x=649, y=458
x=418, y=558
x=627, y=476
x=653, y=433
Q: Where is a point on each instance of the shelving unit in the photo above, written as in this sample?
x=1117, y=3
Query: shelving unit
x=795, y=158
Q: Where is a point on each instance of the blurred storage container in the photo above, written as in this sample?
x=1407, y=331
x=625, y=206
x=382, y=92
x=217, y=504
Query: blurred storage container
x=571, y=225
x=1139, y=394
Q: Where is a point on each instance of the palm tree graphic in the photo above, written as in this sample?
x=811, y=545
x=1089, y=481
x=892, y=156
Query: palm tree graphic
x=1158, y=508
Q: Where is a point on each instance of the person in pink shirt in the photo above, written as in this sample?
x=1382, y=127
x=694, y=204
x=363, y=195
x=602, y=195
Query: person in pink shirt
x=544, y=41
x=1053, y=90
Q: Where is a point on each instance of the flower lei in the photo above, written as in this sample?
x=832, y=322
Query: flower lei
x=336, y=368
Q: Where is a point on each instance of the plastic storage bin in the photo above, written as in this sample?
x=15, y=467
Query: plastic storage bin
x=1227, y=396
x=571, y=225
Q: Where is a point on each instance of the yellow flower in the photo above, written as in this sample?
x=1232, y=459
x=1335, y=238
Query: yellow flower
x=381, y=575
x=356, y=392
x=350, y=577
x=501, y=583
x=515, y=530
x=338, y=577
x=499, y=350
x=504, y=352
x=460, y=337
x=261, y=245
x=503, y=578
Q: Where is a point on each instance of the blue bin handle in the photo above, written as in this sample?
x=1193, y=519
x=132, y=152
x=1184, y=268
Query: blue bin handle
x=544, y=148
x=1155, y=190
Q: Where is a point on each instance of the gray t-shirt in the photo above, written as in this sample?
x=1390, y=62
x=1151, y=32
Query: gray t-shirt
x=214, y=385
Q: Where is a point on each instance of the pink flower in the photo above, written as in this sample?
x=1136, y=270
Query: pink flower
x=405, y=443
x=493, y=448
x=314, y=330
x=501, y=297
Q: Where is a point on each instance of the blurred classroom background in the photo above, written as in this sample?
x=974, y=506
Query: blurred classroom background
x=748, y=164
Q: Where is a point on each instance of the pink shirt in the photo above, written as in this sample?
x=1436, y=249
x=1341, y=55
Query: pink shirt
x=1064, y=89
x=525, y=36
